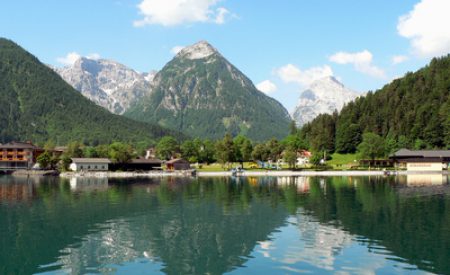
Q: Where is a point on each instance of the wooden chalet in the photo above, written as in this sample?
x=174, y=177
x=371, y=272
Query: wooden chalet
x=18, y=155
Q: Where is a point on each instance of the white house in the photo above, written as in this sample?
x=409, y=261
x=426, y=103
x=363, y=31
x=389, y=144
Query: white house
x=89, y=164
x=301, y=161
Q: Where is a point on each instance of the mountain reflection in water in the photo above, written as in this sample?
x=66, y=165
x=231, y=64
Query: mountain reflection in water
x=218, y=225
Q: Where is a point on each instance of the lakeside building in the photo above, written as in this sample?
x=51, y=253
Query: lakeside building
x=137, y=165
x=422, y=160
x=89, y=164
x=178, y=164
x=18, y=155
x=303, y=157
x=104, y=164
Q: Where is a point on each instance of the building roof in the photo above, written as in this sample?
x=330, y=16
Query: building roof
x=405, y=153
x=148, y=161
x=19, y=145
x=412, y=159
x=91, y=160
x=172, y=161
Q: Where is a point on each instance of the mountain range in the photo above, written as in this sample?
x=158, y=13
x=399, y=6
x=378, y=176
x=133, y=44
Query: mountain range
x=203, y=95
x=324, y=96
x=199, y=92
x=178, y=101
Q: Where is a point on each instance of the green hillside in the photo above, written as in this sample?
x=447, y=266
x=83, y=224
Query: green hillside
x=36, y=104
x=411, y=112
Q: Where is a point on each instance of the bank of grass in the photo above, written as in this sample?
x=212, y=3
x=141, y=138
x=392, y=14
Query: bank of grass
x=338, y=162
x=217, y=167
x=342, y=161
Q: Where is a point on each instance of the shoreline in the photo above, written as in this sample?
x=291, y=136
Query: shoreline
x=188, y=173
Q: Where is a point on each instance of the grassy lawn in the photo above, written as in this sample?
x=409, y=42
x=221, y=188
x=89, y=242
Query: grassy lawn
x=213, y=167
x=248, y=166
x=217, y=167
x=342, y=161
x=338, y=162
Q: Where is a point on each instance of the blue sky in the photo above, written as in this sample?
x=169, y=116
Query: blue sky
x=283, y=44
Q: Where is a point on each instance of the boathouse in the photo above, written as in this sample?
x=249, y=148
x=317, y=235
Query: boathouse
x=422, y=160
x=178, y=164
x=89, y=164
x=18, y=155
x=137, y=165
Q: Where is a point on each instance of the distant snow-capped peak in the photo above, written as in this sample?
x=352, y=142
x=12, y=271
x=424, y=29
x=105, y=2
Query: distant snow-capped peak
x=108, y=83
x=323, y=96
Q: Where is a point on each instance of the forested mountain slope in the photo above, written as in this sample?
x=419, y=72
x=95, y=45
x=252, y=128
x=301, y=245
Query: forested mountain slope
x=37, y=105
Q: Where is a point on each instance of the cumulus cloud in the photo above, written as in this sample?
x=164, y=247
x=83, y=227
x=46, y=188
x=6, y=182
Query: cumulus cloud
x=266, y=87
x=290, y=73
x=362, y=61
x=397, y=59
x=177, y=12
x=175, y=50
x=427, y=28
x=72, y=57
x=69, y=59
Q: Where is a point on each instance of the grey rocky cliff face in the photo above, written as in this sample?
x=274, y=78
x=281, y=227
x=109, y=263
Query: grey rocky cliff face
x=324, y=96
x=107, y=83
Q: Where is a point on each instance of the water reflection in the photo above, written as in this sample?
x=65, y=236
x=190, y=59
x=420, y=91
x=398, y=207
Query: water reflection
x=239, y=225
x=426, y=179
x=302, y=183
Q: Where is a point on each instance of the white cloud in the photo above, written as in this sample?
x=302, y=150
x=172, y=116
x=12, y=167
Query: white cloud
x=93, y=56
x=266, y=87
x=362, y=61
x=397, y=59
x=177, y=12
x=175, y=50
x=427, y=27
x=290, y=73
x=72, y=57
x=69, y=59
x=220, y=17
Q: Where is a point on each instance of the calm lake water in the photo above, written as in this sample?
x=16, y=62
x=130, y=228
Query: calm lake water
x=273, y=225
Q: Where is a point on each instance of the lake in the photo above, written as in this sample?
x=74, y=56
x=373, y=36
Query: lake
x=254, y=225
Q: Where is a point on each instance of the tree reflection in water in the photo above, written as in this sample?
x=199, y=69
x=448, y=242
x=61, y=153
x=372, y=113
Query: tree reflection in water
x=212, y=225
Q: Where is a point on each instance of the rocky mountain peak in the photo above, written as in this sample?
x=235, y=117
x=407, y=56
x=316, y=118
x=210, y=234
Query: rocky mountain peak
x=200, y=93
x=199, y=50
x=323, y=96
x=108, y=83
x=328, y=80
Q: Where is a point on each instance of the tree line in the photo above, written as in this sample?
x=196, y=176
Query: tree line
x=225, y=151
